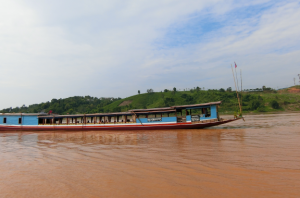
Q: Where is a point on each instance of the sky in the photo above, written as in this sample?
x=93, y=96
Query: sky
x=59, y=49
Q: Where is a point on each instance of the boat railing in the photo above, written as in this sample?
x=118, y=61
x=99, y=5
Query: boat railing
x=89, y=123
x=206, y=121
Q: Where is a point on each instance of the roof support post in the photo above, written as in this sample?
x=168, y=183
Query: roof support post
x=218, y=116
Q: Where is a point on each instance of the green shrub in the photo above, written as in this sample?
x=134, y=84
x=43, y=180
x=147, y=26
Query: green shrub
x=249, y=97
x=246, y=108
x=261, y=109
x=274, y=104
x=246, y=98
x=254, y=104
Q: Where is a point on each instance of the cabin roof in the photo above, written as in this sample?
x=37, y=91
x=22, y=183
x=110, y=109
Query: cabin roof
x=196, y=105
x=23, y=114
x=86, y=115
x=130, y=112
x=152, y=110
x=173, y=108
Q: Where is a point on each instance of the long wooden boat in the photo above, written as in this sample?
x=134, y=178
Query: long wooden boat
x=194, y=116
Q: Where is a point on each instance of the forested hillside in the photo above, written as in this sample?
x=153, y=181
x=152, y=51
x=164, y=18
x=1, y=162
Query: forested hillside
x=72, y=105
x=256, y=101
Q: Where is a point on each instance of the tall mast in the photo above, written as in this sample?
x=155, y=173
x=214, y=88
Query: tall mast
x=236, y=89
x=241, y=90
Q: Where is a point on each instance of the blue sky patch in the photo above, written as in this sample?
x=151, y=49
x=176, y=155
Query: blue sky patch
x=201, y=26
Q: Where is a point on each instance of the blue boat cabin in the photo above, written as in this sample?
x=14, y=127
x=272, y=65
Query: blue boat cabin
x=19, y=119
x=185, y=113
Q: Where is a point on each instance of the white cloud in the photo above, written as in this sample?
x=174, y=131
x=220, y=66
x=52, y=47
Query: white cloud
x=107, y=48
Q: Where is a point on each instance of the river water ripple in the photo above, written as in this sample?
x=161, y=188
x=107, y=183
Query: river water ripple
x=256, y=158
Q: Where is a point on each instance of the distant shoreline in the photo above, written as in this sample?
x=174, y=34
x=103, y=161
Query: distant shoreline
x=263, y=102
x=259, y=113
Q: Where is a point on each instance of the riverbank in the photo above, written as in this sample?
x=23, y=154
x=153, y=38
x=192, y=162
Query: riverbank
x=229, y=115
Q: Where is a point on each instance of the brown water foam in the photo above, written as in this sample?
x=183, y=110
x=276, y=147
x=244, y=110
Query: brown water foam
x=256, y=158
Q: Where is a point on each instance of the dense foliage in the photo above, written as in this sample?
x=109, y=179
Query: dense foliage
x=72, y=105
x=251, y=102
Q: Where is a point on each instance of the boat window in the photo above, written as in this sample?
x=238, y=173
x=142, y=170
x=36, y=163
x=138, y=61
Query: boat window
x=196, y=111
x=4, y=120
x=207, y=112
x=20, y=120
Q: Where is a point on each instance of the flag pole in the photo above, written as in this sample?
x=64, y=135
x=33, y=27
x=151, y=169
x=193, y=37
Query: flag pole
x=237, y=82
x=241, y=90
x=236, y=88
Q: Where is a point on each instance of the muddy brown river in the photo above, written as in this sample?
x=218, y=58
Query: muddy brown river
x=256, y=158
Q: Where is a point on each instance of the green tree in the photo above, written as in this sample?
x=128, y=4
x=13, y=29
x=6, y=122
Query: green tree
x=70, y=111
x=149, y=90
x=169, y=102
x=188, y=99
x=139, y=92
x=116, y=109
x=54, y=100
x=274, y=104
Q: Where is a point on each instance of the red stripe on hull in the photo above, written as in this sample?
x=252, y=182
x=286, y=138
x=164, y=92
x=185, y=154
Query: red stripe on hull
x=186, y=125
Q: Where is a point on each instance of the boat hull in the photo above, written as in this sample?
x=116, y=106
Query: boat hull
x=118, y=127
